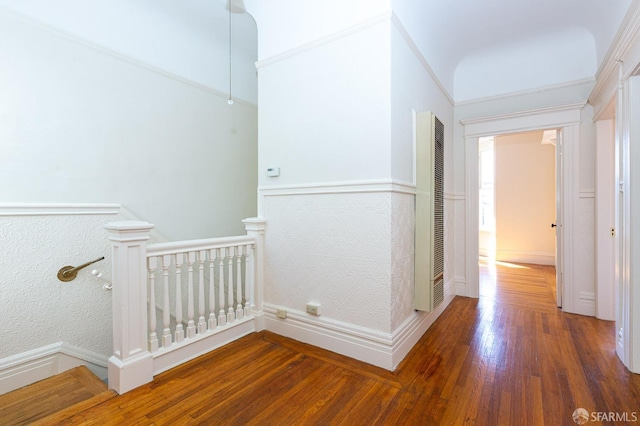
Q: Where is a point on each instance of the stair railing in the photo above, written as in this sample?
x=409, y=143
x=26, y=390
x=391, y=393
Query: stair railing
x=153, y=284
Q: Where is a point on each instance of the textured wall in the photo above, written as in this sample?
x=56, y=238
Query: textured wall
x=37, y=308
x=403, y=220
x=334, y=249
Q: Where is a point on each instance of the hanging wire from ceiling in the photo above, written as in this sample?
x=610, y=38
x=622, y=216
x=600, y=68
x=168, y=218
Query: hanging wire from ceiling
x=230, y=100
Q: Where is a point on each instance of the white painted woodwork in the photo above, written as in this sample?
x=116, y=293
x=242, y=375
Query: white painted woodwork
x=222, y=317
x=231, y=315
x=255, y=228
x=567, y=119
x=179, y=333
x=202, y=325
x=166, y=303
x=191, y=326
x=152, y=264
x=605, y=219
x=131, y=364
x=211, y=325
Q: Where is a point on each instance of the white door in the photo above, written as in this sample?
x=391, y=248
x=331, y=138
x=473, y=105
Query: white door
x=558, y=224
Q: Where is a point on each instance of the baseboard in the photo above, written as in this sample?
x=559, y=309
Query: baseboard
x=29, y=367
x=164, y=360
x=381, y=349
x=516, y=256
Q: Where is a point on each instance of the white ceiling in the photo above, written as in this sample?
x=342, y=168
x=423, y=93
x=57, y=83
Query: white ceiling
x=188, y=37
x=464, y=26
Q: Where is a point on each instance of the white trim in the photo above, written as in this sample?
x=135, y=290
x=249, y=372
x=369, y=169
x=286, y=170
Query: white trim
x=454, y=196
x=58, y=209
x=73, y=209
x=460, y=286
x=565, y=117
x=362, y=26
x=607, y=75
x=381, y=349
x=29, y=367
x=120, y=56
x=541, y=89
x=588, y=296
x=179, y=353
x=520, y=121
x=382, y=185
x=588, y=194
x=416, y=51
x=519, y=256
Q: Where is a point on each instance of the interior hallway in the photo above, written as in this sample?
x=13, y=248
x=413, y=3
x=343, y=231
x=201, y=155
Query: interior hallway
x=510, y=357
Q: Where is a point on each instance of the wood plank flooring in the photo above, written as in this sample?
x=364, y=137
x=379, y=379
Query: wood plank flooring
x=509, y=358
x=54, y=399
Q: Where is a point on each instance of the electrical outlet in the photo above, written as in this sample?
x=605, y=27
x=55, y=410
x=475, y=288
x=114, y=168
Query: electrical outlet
x=281, y=313
x=313, y=308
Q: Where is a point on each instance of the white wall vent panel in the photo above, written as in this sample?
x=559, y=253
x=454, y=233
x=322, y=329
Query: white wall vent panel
x=429, y=231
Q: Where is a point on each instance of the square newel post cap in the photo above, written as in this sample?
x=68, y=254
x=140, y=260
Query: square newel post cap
x=254, y=224
x=129, y=230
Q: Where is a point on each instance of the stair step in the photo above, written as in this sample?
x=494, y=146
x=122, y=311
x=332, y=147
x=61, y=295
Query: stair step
x=57, y=394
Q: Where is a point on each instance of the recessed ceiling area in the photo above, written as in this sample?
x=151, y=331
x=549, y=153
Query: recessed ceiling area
x=475, y=46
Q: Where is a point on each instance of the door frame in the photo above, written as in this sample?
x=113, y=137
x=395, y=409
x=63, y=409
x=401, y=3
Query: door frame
x=564, y=118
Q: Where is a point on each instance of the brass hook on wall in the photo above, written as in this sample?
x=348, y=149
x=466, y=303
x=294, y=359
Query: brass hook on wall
x=69, y=273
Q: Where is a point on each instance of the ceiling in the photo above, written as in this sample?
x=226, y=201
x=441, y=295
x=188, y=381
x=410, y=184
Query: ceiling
x=465, y=26
x=188, y=37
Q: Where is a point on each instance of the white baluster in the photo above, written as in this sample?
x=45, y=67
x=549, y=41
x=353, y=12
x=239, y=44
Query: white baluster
x=212, y=291
x=179, y=333
x=231, y=315
x=202, y=324
x=222, y=318
x=239, y=310
x=166, y=311
x=152, y=264
x=191, y=325
x=249, y=273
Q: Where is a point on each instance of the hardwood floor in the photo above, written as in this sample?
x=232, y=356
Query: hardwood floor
x=56, y=398
x=509, y=358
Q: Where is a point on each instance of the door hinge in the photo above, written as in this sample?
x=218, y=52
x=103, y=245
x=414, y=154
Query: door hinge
x=613, y=232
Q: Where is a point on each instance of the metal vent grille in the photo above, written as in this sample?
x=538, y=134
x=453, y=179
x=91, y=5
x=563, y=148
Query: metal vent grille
x=438, y=292
x=438, y=202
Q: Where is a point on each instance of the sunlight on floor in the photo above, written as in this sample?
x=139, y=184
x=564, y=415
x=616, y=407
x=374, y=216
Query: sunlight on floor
x=492, y=262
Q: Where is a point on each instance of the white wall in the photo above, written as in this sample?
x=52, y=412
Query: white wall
x=38, y=309
x=414, y=88
x=336, y=106
x=525, y=199
x=82, y=125
x=188, y=39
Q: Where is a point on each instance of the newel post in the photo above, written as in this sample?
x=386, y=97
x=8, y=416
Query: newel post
x=255, y=227
x=131, y=364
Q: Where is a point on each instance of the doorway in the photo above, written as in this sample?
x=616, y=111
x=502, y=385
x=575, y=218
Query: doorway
x=566, y=119
x=517, y=202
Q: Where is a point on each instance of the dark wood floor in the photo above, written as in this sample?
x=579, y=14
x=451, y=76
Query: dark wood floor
x=509, y=358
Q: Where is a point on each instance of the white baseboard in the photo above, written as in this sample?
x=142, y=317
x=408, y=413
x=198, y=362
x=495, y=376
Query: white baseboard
x=29, y=367
x=381, y=349
x=515, y=256
x=164, y=360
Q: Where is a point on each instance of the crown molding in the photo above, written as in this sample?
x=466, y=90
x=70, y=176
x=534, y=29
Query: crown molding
x=541, y=89
x=608, y=73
